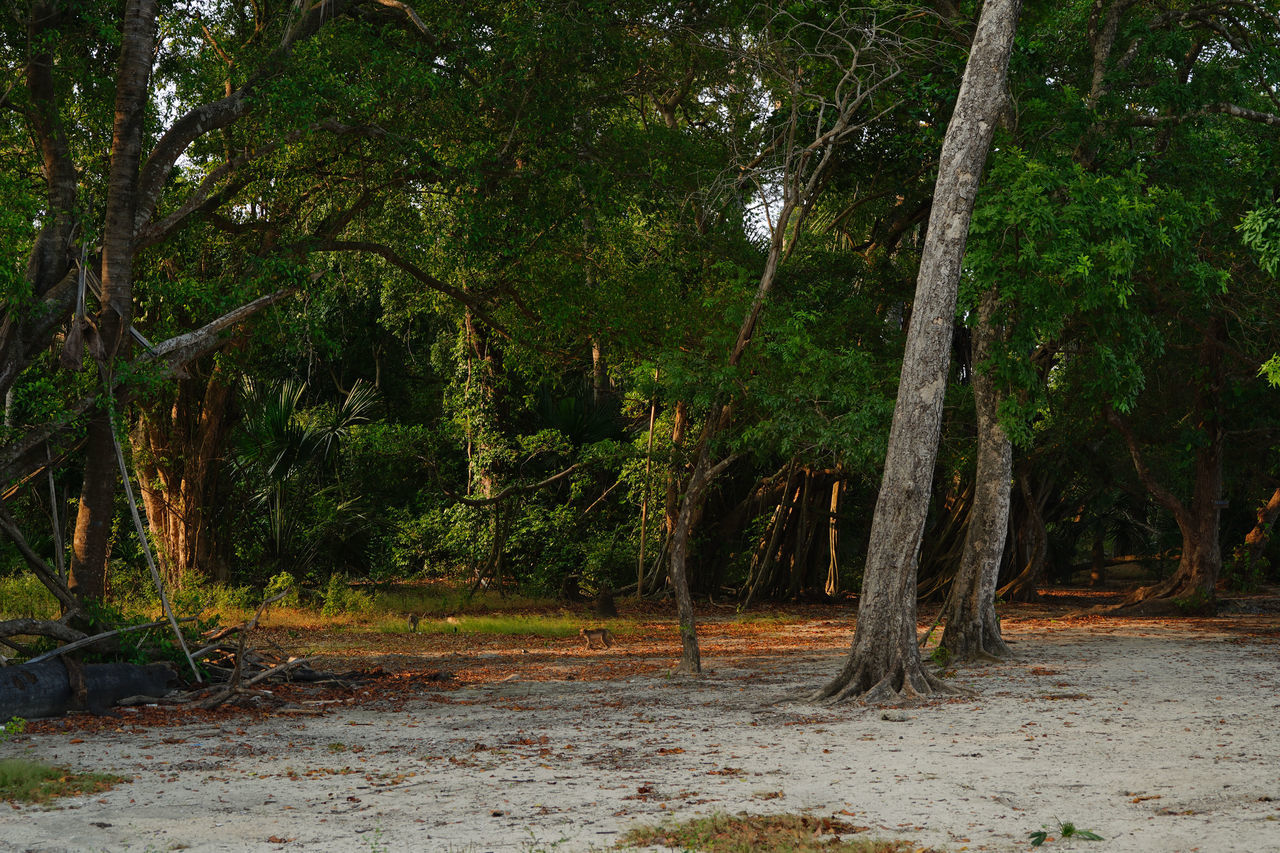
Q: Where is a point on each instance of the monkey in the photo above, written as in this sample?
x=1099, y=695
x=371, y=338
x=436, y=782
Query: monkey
x=597, y=635
x=413, y=622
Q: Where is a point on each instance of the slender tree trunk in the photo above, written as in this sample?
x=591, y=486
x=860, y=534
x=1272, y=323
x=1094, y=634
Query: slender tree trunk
x=97, y=497
x=679, y=426
x=884, y=662
x=690, y=654
x=832, y=586
x=1098, y=560
x=972, y=625
x=599, y=374
x=644, y=498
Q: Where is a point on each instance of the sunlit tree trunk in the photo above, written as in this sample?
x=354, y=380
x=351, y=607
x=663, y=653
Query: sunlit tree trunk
x=178, y=447
x=97, y=497
x=884, y=662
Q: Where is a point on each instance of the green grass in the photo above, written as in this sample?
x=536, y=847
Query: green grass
x=436, y=601
x=550, y=625
x=26, y=781
x=744, y=833
x=24, y=597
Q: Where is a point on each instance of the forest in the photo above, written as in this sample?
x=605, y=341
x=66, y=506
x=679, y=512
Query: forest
x=712, y=301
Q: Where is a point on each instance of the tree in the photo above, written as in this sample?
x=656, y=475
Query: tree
x=854, y=55
x=885, y=659
x=972, y=626
x=73, y=94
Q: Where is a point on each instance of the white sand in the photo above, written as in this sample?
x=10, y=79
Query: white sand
x=1157, y=738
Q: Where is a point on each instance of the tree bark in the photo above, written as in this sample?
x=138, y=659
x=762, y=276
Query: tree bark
x=177, y=447
x=972, y=625
x=97, y=497
x=832, y=586
x=884, y=662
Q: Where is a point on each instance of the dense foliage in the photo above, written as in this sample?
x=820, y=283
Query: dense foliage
x=513, y=244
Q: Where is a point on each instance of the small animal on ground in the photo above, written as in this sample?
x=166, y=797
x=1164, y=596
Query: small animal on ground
x=597, y=638
x=414, y=618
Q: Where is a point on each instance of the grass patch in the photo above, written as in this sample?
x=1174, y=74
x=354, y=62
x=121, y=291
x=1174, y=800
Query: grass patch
x=436, y=601
x=26, y=781
x=536, y=625
x=24, y=597
x=744, y=833
x=767, y=618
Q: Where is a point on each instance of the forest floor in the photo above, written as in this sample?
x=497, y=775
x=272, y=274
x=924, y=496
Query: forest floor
x=1156, y=734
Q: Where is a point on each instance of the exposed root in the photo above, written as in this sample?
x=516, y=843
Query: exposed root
x=1170, y=597
x=904, y=683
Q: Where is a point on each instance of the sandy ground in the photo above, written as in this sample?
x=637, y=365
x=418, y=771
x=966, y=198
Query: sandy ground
x=1156, y=736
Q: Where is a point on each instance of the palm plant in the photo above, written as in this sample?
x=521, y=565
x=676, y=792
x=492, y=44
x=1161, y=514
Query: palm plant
x=286, y=456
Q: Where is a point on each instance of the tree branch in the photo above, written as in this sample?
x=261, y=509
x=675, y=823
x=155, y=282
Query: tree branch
x=1163, y=496
x=151, y=233
x=399, y=262
x=39, y=628
x=221, y=113
x=185, y=348
x=510, y=490
x=38, y=566
x=1223, y=108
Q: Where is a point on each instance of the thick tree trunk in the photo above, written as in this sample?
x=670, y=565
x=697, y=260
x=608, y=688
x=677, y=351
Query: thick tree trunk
x=884, y=662
x=177, y=448
x=972, y=625
x=97, y=496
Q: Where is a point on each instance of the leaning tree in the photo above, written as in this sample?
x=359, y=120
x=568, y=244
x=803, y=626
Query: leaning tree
x=885, y=662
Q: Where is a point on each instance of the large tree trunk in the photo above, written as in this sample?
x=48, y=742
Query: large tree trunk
x=177, y=448
x=50, y=266
x=97, y=497
x=972, y=625
x=884, y=662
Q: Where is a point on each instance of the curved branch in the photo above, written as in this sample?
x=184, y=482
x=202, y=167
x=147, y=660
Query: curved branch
x=221, y=113
x=36, y=564
x=510, y=490
x=39, y=628
x=398, y=261
x=1163, y=496
x=151, y=233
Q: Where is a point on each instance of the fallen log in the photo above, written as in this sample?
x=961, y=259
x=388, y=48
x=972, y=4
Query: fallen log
x=45, y=689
